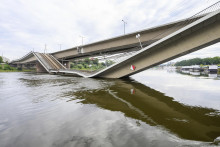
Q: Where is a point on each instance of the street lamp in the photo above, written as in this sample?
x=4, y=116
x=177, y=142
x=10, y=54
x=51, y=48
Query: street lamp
x=60, y=46
x=81, y=50
x=124, y=25
x=82, y=39
x=138, y=37
x=45, y=48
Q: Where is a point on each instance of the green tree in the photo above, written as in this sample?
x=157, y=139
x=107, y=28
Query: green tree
x=1, y=59
x=80, y=66
x=103, y=64
x=109, y=62
x=199, y=61
x=96, y=61
x=87, y=61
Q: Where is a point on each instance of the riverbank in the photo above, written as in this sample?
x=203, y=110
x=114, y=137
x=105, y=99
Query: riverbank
x=8, y=68
x=24, y=70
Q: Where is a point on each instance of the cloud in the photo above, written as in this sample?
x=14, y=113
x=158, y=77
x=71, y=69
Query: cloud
x=28, y=24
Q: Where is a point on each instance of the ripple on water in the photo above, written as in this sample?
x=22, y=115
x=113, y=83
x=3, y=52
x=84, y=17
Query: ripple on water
x=3, y=124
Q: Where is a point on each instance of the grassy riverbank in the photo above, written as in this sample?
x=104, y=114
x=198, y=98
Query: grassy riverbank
x=8, y=68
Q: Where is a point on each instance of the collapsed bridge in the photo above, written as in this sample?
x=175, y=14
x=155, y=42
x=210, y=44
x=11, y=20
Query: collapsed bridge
x=158, y=45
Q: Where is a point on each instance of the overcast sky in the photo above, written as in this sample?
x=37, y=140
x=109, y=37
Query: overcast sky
x=27, y=25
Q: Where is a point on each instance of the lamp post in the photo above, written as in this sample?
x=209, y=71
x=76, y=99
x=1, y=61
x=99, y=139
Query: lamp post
x=138, y=37
x=124, y=25
x=81, y=50
x=60, y=46
x=82, y=39
x=45, y=48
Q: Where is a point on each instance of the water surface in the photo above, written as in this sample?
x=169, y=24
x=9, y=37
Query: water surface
x=152, y=108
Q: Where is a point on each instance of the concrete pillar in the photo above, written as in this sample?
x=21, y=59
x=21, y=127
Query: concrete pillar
x=19, y=66
x=68, y=65
x=40, y=68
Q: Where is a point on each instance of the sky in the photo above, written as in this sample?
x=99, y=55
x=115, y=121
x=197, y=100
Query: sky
x=27, y=25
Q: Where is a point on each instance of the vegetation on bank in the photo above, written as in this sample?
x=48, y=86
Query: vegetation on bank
x=88, y=64
x=5, y=67
x=1, y=59
x=199, y=61
x=8, y=68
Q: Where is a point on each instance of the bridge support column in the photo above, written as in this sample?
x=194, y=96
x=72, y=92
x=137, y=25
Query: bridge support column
x=68, y=65
x=40, y=68
x=22, y=66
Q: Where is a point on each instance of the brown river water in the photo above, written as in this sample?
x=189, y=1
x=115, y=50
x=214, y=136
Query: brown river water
x=152, y=108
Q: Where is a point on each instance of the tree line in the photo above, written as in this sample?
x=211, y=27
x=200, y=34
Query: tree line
x=199, y=61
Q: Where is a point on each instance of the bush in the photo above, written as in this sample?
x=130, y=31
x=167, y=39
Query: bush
x=87, y=61
x=80, y=66
x=7, y=67
x=19, y=68
x=103, y=64
x=96, y=61
x=71, y=65
x=109, y=62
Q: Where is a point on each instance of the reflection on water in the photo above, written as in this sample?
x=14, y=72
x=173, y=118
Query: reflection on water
x=50, y=110
x=154, y=108
x=196, y=73
x=213, y=75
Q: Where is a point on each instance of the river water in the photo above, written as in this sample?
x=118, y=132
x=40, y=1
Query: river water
x=152, y=108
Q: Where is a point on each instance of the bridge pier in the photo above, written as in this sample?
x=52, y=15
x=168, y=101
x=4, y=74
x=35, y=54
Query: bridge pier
x=40, y=68
x=67, y=64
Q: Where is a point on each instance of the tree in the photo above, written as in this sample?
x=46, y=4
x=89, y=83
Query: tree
x=80, y=66
x=96, y=61
x=103, y=64
x=87, y=61
x=109, y=62
x=199, y=61
x=1, y=59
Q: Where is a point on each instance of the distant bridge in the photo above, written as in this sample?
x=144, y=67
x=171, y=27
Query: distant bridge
x=160, y=44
